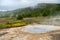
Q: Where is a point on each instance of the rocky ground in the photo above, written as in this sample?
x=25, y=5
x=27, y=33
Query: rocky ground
x=19, y=34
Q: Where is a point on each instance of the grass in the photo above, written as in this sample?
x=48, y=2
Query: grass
x=4, y=23
x=1, y=25
x=15, y=25
x=38, y=20
x=20, y=23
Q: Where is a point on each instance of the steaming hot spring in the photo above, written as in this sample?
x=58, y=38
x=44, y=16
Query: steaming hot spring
x=40, y=28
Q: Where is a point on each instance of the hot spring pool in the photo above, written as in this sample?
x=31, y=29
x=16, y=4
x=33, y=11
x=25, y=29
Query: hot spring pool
x=39, y=28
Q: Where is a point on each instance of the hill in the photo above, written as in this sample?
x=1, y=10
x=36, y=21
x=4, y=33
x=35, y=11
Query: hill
x=37, y=10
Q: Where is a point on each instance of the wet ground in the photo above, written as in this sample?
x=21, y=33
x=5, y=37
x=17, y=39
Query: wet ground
x=31, y=32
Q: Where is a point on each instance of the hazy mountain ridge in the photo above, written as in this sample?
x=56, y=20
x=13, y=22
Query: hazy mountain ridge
x=38, y=10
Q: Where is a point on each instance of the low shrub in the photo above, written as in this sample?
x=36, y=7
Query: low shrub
x=19, y=17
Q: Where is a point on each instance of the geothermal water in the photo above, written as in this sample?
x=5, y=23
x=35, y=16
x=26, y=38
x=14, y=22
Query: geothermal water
x=40, y=28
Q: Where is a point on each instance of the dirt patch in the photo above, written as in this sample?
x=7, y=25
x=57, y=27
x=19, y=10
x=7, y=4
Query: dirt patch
x=18, y=34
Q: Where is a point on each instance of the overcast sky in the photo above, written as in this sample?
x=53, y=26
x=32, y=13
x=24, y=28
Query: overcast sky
x=14, y=4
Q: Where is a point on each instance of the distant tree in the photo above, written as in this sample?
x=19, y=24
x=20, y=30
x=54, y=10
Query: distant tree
x=19, y=17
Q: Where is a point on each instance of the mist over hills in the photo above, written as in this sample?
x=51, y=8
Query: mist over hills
x=37, y=10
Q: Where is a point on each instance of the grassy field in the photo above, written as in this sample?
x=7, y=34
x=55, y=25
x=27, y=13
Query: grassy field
x=8, y=23
x=12, y=22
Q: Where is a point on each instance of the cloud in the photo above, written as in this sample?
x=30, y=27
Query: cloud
x=49, y=1
x=13, y=4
